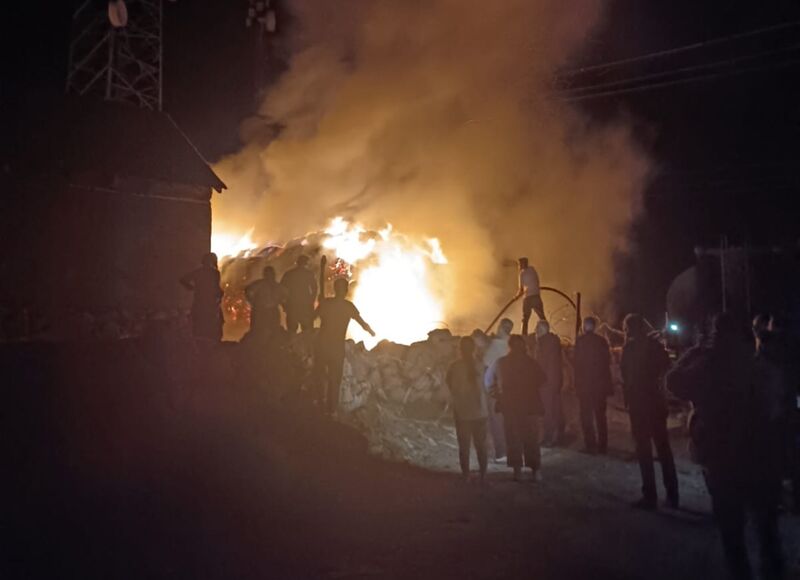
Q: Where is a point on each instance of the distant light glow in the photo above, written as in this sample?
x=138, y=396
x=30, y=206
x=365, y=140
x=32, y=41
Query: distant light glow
x=674, y=327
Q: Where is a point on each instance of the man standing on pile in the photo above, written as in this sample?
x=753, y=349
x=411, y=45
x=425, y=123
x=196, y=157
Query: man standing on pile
x=529, y=288
x=265, y=297
x=548, y=355
x=519, y=379
x=644, y=362
x=206, y=313
x=301, y=289
x=733, y=434
x=335, y=314
x=470, y=409
x=498, y=348
x=593, y=385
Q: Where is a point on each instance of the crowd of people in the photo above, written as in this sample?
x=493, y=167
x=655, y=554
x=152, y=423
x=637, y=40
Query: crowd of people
x=507, y=389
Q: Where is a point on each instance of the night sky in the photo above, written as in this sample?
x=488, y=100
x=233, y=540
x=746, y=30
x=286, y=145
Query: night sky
x=725, y=150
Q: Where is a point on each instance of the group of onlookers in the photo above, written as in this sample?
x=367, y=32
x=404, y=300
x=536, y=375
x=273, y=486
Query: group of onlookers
x=743, y=428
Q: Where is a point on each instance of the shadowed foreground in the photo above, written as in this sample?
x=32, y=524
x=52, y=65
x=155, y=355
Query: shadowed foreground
x=125, y=466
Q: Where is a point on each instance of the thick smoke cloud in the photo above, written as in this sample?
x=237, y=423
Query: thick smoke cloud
x=435, y=115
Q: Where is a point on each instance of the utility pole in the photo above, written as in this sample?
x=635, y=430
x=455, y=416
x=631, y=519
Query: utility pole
x=116, y=51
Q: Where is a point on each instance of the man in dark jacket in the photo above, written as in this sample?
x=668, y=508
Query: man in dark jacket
x=733, y=439
x=301, y=290
x=593, y=385
x=548, y=355
x=519, y=379
x=644, y=362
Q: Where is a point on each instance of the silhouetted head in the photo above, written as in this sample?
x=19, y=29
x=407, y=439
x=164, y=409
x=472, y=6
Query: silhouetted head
x=505, y=327
x=466, y=346
x=269, y=273
x=302, y=260
x=634, y=326
x=542, y=328
x=523, y=263
x=340, y=287
x=516, y=344
x=209, y=260
x=589, y=324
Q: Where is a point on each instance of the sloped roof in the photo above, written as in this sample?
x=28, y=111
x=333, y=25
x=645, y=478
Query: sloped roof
x=47, y=134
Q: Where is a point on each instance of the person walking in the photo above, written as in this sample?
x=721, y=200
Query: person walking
x=593, y=385
x=335, y=315
x=548, y=355
x=733, y=437
x=530, y=292
x=206, y=313
x=519, y=379
x=470, y=409
x=496, y=349
x=301, y=292
x=644, y=362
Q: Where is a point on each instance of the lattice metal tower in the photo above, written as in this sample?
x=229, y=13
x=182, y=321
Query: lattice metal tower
x=116, y=51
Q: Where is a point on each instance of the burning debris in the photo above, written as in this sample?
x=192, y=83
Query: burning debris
x=397, y=279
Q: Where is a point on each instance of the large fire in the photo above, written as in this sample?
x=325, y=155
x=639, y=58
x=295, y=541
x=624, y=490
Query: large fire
x=395, y=281
x=395, y=278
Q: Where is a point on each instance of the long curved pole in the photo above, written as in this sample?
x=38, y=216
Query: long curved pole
x=515, y=298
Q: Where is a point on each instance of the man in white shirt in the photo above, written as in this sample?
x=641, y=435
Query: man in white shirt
x=529, y=288
x=497, y=348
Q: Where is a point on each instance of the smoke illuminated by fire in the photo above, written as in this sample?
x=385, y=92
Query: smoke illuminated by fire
x=396, y=280
x=396, y=289
x=225, y=244
x=438, y=117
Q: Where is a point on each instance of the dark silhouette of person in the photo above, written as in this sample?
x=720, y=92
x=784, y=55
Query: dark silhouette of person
x=470, y=408
x=644, y=363
x=335, y=315
x=776, y=348
x=548, y=355
x=206, y=313
x=301, y=292
x=519, y=378
x=530, y=289
x=593, y=385
x=265, y=297
x=733, y=438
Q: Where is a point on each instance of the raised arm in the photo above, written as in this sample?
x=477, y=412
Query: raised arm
x=364, y=324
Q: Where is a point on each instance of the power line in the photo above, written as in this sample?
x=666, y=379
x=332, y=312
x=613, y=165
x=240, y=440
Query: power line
x=682, y=49
x=652, y=76
x=691, y=79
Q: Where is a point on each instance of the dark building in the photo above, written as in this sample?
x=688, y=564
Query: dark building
x=104, y=205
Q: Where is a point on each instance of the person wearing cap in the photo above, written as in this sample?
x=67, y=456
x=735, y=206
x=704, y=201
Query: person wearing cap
x=530, y=292
x=206, y=313
x=300, y=284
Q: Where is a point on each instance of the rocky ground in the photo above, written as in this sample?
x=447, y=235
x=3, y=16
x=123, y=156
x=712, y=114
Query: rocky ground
x=128, y=464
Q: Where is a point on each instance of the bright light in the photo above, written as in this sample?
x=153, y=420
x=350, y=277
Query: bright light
x=395, y=281
x=228, y=245
x=673, y=326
